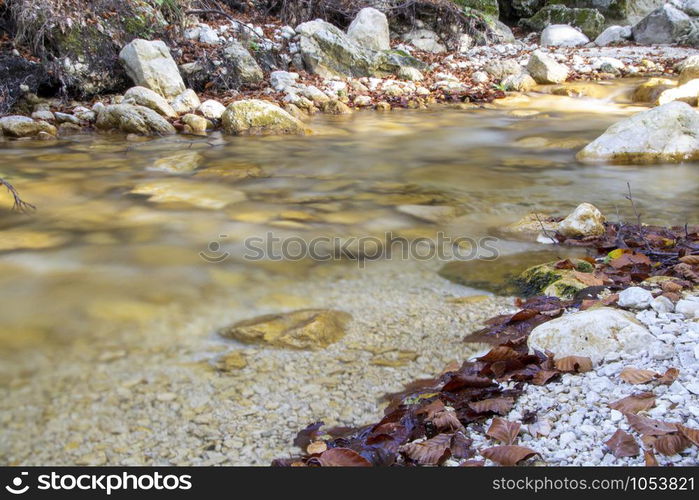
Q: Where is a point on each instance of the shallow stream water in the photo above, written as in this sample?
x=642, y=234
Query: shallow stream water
x=126, y=231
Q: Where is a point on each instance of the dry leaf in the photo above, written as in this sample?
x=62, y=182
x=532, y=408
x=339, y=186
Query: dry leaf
x=689, y=433
x=503, y=430
x=671, y=444
x=508, y=454
x=447, y=420
x=669, y=376
x=622, y=444
x=576, y=364
x=431, y=409
x=461, y=446
x=636, y=376
x=633, y=404
x=692, y=260
x=649, y=458
x=588, y=279
x=649, y=426
x=499, y=353
x=316, y=447
x=671, y=286
x=342, y=457
x=429, y=452
x=495, y=405
x=544, y=376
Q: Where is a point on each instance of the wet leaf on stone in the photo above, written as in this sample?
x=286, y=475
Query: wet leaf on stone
x=429, y=452
x=342, y=457
x=622, y=444
x=508, y=454
x=574, y=364
x=503, y=430
x=635, y=403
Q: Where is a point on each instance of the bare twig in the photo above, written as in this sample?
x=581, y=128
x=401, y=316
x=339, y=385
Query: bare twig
x=19, y=204
x=629, y=197
x=546, y=231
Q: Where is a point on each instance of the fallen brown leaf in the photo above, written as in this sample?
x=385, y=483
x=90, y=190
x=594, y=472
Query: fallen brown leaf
x=649, y=458
x=575, y=364
x=447, y=420
x=669, y=376
x=429, y=452
x=689, y=433
x=503, y=430
x=588, y=279
x=508, y=454
x=649, y=426
x=636, y=376
x=544, y=376
x=623, y=444
x=634, y=403
x=671, y=444
x=494, y=405
x=461, y=446
x=342, y=457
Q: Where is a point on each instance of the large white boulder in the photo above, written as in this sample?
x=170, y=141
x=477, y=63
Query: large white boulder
x=593, y=333
x=562, y=35
x=664, y=25
x=370, y=29
x=668, y=133
x=149, y=64
x=545, y=69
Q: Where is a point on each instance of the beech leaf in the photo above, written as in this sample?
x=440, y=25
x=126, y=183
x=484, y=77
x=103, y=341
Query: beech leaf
x=633, y=404
x=508, y=455
x=649, y=426
x=503, y=430
x=669, y=376
x=671, y=444
x=429, y=452
x=577, y=364
x=637, y=376
x=342, y=457
x=649, y=458
x=622, y=444
x=495, y=405
x=689, y=433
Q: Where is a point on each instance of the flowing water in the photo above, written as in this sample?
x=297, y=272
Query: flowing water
x=139, y=250
x=120, y=224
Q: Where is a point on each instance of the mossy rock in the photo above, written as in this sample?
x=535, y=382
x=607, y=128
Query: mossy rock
x=590, y=21
x=502, y=276
x=546, y=279
x=489, y=7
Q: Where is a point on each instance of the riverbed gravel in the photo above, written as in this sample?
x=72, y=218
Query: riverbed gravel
x=172, y=398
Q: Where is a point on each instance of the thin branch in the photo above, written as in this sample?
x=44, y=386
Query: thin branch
x=19, y=204
x=546, y=231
